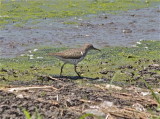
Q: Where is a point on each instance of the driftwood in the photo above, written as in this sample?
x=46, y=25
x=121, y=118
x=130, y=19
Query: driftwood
x=94, y=99
x=108, y=86
x=135, y=98
x=29, y=88
x=127, y=113
x=52, y=102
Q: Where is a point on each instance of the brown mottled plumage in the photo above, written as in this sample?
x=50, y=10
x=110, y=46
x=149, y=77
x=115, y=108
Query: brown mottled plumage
x=73, y=56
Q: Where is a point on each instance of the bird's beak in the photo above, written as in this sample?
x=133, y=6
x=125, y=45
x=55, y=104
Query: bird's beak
x=96, y=49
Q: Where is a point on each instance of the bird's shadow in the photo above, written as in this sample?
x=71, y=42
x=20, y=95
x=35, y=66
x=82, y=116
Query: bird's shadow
x=73, y=77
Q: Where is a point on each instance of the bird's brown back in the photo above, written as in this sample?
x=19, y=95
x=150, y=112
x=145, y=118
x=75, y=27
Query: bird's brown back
x=69, y=54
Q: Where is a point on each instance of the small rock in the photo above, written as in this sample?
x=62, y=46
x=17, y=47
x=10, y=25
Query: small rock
x=133, y=15
x=145, y=93
x=30, y=51
x=106, y=104
x=154, y=65
x=103, y=71
x=35, y=50
x=20, y=96
x=22, y=55
x=94, y=107
x=111, y=23
x=87, y=35
x=139, y=107
x=127, y=31
x=3, y=79
x=39, y=57
x=104, y=63
x=101, y=79
x=108, y=86
x=139, y=43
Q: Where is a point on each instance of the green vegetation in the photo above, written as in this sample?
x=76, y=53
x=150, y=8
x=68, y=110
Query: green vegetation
x=36, y=115
x=122, y=66
x=118, y=64
x=22, y=11
x=84, y=116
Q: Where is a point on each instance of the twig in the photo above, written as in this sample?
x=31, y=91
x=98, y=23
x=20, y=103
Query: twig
x=53, y=78
x=29, y=88
x=47, y=101
x=87, y=101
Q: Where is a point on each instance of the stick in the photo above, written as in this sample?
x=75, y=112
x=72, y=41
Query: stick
x=29, y=88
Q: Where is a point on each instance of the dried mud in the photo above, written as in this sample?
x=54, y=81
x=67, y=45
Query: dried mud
x=63, y=98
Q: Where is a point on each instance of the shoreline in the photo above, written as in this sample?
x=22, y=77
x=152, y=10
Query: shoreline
x=124, y=29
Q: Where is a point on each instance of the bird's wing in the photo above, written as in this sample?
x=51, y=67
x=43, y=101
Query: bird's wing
x=69, y=54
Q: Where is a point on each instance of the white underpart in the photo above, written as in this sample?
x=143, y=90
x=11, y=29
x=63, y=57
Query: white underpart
x=71, y=61
x=81, y=53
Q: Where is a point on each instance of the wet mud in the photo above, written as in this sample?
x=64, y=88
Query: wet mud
x=122, y=29
x=71, y=97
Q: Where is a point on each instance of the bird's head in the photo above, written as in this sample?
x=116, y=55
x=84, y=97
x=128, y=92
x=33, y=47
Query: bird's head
x=90, y=47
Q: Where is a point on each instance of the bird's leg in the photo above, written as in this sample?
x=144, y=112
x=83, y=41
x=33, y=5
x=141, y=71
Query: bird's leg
x=62, y=69
x=76, y=70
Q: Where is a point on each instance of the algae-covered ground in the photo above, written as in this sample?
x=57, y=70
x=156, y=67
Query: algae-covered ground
x=117, y=83
x=21, y=11
x=133, y=76
x=112, y=25
x=119, y=64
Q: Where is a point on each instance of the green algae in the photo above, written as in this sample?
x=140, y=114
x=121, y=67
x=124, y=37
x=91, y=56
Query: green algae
x=117, y=64
x=70, y=22
x=22, y=11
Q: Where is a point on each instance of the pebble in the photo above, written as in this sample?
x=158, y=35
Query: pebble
x=106, y=104
x=139, y=107
x=20, y=96
x=127, y=31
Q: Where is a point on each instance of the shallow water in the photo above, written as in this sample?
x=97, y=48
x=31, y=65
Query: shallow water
x=122, y=29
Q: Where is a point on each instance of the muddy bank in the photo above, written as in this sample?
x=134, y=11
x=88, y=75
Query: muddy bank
x=122, y=29
x=64, y=99
x=72, y=97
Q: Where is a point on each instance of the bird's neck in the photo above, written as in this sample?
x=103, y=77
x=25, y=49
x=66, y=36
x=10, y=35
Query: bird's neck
x=85, y=51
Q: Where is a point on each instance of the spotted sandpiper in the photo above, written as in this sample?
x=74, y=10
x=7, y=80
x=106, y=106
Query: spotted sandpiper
x=73, y=56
